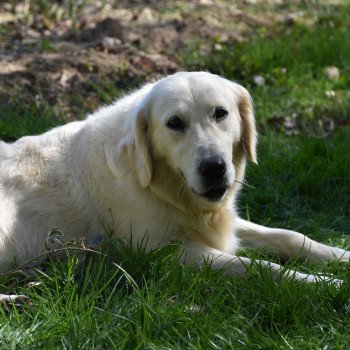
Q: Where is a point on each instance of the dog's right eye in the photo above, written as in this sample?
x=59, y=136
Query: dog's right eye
x=175, y=123
x=220, y=113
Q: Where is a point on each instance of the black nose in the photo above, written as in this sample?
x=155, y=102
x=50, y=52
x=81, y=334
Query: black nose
x=212, y=169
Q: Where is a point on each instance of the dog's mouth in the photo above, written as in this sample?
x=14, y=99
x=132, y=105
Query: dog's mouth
x=214, y=194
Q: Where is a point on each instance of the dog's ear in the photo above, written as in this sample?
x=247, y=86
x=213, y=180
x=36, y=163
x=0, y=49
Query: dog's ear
x=134, y=148
x=249, y=135
x=143, y=158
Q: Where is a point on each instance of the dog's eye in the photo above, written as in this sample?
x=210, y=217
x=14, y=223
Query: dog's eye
x=175, y=123
x=220, y=113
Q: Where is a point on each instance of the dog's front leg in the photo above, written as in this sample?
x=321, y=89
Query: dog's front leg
x=240, y=266
x=287, y=244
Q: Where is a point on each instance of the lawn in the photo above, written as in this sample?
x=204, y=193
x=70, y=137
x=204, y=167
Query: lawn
x=135, y=300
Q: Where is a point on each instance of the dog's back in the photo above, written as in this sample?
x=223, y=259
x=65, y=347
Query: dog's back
x=50, y=180
x=36, y=190
x=5, y=151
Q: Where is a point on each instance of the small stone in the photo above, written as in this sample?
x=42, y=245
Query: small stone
x=109, y=43
x=259, y=80
x=146, y=16
x=66, y=76
x=289, y=123
x=6, y=17
x=308, y=110
x=193, y=309
x=330, y=93
x=331, y=73
x=283, y=70
x=224, y=37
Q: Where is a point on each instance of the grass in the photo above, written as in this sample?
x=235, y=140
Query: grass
x=138, y=300
x=302, y=183
x=151, y=303
x=22, y=119
x=292, y=61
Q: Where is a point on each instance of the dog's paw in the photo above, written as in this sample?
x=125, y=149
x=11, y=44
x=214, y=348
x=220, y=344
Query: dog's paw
x=303, y=277
x=337, y=254
x=324, y=279
x=344, y=257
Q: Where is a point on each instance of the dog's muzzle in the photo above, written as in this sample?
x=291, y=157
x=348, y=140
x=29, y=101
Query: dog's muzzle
x=213, y=173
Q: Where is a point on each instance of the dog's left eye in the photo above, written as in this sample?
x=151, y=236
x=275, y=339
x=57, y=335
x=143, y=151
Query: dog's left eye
x=175, y=123
x=220, y=113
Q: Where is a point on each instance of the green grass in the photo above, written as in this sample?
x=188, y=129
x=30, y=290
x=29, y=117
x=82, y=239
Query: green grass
x=151, y=303
x=26, y=119
x=302, y=183
x=60, y=10
x=138, y=300
x=292, y=62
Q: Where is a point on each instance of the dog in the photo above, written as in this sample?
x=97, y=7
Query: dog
x=166, y=161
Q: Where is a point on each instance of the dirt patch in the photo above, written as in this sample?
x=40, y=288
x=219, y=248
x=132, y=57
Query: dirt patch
x=76, y=60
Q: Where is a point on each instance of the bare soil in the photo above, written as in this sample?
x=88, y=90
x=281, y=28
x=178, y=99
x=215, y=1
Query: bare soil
x=73, y=62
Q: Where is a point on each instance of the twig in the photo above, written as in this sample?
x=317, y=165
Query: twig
x=75, y=249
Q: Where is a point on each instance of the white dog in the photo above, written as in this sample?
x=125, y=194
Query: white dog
x=166, y=161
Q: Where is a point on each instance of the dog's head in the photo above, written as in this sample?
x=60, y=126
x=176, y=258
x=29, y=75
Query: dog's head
x=202, y=126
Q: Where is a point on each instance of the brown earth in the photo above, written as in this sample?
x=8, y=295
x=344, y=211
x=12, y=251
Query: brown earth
x=74, y=62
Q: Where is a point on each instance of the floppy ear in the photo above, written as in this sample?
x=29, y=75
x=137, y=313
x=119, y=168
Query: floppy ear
x=143, y=158
x=249, y=135
x=134, y=148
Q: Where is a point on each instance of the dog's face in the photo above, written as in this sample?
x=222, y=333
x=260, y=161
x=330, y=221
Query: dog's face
x=194, y=122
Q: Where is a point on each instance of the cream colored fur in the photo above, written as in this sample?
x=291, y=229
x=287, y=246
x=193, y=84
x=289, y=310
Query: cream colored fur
x=123, y=170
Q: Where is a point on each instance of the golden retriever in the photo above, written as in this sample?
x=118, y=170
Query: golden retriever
x=166, y=161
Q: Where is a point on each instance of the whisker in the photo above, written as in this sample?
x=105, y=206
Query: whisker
x=244, y=184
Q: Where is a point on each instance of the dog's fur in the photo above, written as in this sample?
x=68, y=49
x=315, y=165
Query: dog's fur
x=124, y=170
